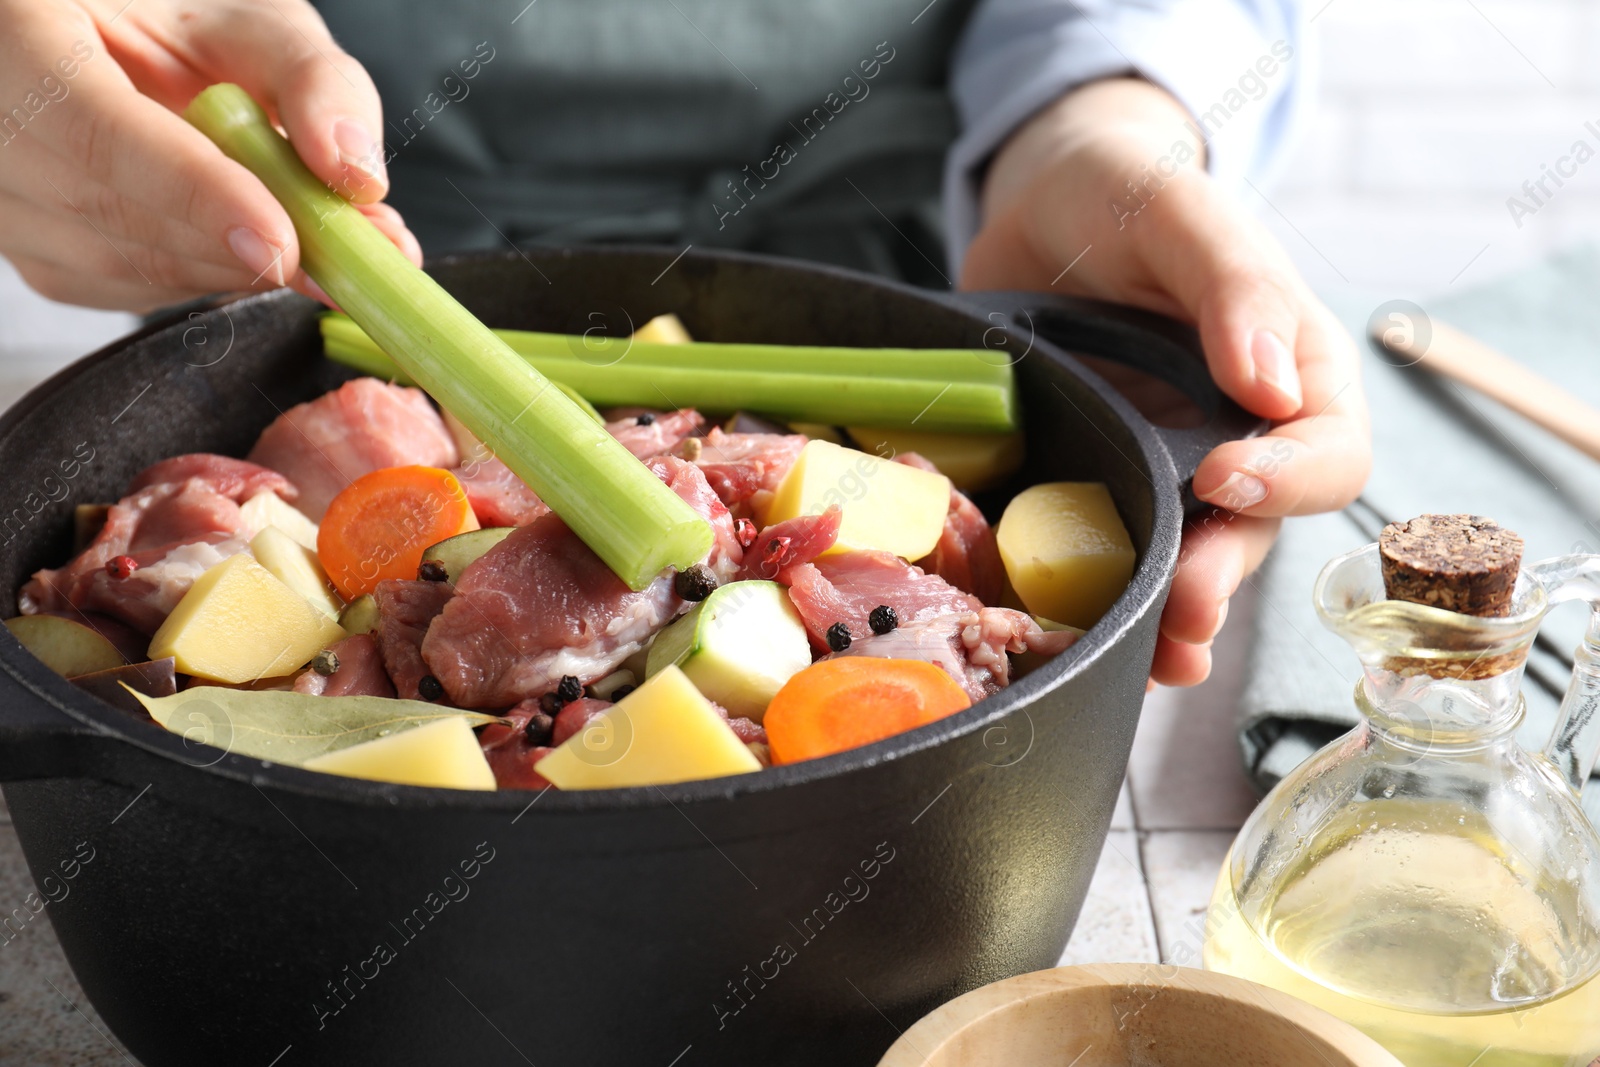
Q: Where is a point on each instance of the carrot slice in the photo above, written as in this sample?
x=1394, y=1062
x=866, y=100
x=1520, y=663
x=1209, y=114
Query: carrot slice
x=840, y=704
x=379, y=525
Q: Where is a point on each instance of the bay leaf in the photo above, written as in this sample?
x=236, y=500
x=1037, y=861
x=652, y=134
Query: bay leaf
x=289, y=727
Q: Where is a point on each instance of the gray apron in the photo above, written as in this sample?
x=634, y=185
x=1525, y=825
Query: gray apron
x=810, y=128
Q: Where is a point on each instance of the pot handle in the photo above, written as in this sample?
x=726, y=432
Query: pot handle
x=1159, y=346
x=38, y=737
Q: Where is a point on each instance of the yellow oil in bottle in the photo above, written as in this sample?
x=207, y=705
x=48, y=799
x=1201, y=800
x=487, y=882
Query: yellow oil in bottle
x=1431, y=940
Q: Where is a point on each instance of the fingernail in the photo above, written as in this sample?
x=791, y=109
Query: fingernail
x=359, y=152
x=258, y=255
x=1222, y=617
x=1238, y=492
x=1275, y=365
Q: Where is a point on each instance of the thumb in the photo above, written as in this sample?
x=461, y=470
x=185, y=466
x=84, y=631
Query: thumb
x=282, y=54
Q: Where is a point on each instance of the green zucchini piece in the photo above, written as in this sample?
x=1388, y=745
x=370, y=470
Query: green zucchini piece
x=360, y=616
x=738, y=646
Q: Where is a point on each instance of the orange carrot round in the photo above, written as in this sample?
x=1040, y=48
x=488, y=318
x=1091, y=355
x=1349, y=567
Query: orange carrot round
x=379, y=525
x=840, y=704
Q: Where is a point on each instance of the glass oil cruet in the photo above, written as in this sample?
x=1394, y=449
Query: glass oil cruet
x=1425, y=877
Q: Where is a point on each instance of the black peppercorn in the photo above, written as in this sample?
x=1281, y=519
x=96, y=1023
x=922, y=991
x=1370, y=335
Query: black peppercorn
x=539, y=728
x=325, y=662
x=432, y=571
x=838, y=637
x=883, y=619
x=430, y=688
x=569, y=690
x=550, y=704
x=621, y=691
x=694, y=584
x=645, y=420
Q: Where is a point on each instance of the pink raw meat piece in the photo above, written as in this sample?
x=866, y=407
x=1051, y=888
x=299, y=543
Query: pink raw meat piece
x=739, y=465
x=512, y=758
x=970, y=646
x=405, y=611
x=787, y=544
x=573, y=717
x=845, y=588
x=364, y=425
x=361, y=671
x=498, y=497
x=236, y=479
x=662, y=434
x=174, y=530
x=541, y=605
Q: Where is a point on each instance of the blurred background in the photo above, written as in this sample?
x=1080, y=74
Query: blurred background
x=1429, y=115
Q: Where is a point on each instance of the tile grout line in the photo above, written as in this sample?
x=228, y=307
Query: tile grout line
x=1141, y=838
x=1139, y=835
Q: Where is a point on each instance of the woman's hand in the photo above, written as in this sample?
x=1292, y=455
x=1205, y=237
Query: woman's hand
x=1056, y=194
x=109, y=198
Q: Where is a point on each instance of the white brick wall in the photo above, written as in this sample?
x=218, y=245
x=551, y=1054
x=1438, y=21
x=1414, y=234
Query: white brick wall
x=1430, y=113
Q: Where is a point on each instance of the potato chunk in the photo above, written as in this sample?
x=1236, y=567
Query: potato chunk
x=970, y=460
x=296, y=567
x=444, y=753
x=267, y=508
x=664, y=731
x=887, y=505
x=64, y=645
x=1065, y=550
x=238, y=623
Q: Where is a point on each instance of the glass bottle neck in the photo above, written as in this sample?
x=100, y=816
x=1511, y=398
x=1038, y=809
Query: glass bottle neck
x=1432, y=714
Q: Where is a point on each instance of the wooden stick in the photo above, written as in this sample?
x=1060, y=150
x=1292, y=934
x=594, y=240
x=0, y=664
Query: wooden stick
x=1454, y=355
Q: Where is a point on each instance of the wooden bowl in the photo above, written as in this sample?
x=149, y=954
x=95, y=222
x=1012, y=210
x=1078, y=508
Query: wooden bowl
x=1131, y=1015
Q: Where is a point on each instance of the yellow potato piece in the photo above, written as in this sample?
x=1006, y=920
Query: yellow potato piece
x=664, y=731
x=887, y=505
x=238, y=623
x=296, y=566
x=969, y=460
x=1065, y=550
x=665, y=329
x=444, y=753
x=267, y=508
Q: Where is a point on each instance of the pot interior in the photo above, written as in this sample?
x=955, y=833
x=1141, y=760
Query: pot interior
x=212, y=380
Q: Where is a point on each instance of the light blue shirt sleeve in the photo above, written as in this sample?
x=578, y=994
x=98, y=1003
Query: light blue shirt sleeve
x=1236, y=65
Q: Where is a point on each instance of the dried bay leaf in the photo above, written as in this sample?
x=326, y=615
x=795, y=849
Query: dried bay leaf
x=289, y=727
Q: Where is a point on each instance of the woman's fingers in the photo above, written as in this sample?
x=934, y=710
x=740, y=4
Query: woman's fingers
x=1317, y=462
x=323, y=97
x=1218, y=552
x=393, y=226
x=1178, y=664
x=136, y=170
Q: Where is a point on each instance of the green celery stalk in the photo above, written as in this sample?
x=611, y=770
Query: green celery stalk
x=979, y=365
x=628, y=517
x=845, y=387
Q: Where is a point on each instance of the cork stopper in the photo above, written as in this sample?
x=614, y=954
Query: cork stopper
x=1461, y=563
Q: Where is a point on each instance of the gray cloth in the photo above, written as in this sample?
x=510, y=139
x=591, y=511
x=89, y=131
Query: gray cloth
x=810, y=128
x=1438, y=447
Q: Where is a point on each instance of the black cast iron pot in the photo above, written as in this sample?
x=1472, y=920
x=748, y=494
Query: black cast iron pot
x=236, y=912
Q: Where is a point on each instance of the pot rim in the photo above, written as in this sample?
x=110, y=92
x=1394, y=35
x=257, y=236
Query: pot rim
x=1149, y=583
